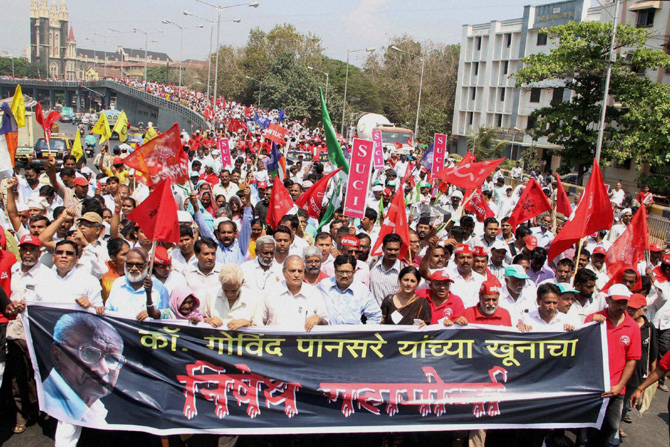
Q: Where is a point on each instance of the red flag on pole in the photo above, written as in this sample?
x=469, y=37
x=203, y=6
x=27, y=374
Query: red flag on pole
x=478, y=205
x=160, y=158
x=469, y=175
x=236, y=125
x=562, y=200
x=311, y=200
x=280, y=203
x=46, y=123
x=395, y=221
x=593, y=213
x=157, y=214
x=531, y=203
x=469, y=158
x=630, y=247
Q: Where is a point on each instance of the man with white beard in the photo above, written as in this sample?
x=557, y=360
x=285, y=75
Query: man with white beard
x=263, y=271
x=135, y=295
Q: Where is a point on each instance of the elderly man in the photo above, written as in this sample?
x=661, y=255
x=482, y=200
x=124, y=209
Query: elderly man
x=619, y=228
x=136, y=295
x=203, y=278
x=444, y=305
x=487, y=311
x=88, y=236
x=313, y=273
x=294, y=304
x=233, y=306
x=515, y=297
x=164, y=272
x=466, y=281
x=625, y=349
x=543, y=231
x=87, y=356
x=348, y=301
x=546, y=318
x=263, y=271
x=70, y=282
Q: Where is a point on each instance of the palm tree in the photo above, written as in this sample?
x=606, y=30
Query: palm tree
x=485, y=145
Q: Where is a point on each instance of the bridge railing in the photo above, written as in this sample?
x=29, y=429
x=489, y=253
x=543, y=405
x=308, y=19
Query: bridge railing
x=195, y=118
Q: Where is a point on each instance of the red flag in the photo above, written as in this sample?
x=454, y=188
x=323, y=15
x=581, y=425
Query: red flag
x=160, y=158
x=247, y=112
x=275, y=133
x=157, y=214
x=311, y=200
x=397, y=145
x=616, y=276
x=235, y=125
x=469, y=175
x=469, y=158
x=562, y=201
x=209, y=113
x=395, y=221
x=48, y=122
x=409, y=141
x=531, y=203
x=629, y=249
x=280, y=203
x=478, y=206
x=593, y=213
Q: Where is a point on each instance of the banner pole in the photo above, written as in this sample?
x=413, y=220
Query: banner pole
x=579, y=252
x=153, y=256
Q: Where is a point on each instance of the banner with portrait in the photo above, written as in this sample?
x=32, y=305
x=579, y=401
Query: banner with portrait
x=163, y=377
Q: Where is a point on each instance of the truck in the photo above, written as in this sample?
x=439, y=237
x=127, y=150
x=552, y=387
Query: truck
x=394, y=139
x=28, y=136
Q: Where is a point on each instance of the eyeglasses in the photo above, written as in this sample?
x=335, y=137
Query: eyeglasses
x=65, y=252
x=91, y=355
x=344, y=272
x=85, y=224
x=139, y=265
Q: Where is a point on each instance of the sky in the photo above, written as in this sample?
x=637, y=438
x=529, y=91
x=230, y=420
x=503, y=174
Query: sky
x=342, y=24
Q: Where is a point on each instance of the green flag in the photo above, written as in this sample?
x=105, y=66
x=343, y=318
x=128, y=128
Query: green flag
x=334, y=150
x=333, y=204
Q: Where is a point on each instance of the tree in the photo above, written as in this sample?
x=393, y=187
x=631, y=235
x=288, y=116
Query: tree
x=485, y=145
x=580, y=61
x=21, y=67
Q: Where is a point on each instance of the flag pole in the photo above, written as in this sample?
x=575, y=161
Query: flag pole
x=153, y=256
x=579, y=252
x=460, y=208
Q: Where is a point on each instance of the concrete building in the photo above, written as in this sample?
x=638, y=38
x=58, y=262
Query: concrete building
x=491, y=54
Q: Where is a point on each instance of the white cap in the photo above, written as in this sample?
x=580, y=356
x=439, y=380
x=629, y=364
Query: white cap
x=377, y=188
x=457, y=193
x=184, y=217
x=499, y=245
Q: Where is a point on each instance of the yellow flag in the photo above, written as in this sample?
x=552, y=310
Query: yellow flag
x=102, y=128
x=150, y=135
x=121, y=127
x=18, y=107
x=77, y=152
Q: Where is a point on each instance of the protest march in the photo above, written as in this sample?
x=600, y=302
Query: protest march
x=264, y=277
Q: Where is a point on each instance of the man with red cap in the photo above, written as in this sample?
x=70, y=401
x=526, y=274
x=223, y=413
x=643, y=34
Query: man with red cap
x=163, y=270
x=597, y=266
x=444, y=305
x=624, y=350
x=351, y=245
x=467, y=282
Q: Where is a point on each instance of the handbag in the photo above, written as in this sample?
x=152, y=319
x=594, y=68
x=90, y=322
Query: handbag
x=648, y=393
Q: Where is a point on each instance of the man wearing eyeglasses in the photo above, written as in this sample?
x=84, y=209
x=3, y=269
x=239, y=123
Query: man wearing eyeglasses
x=87, y=357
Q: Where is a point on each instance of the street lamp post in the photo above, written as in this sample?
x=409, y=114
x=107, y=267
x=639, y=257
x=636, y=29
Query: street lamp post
x=327, y=77
x=181, y=44
x=346, y=81
x=260, y=87
x=146, y=45
x=211, y=37
x=418, y=105
x=95, y=64
x=119, y=32
x=104, y=41
x=218, y=38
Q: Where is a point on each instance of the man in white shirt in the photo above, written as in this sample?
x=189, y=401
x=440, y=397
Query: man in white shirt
x=517, y=172
x=262, y=272
x=546, y=318
x=617, y=195
x=294, y=304
x=466, y=281
x=234, y=306
x=203, y=277
x=164, y=272
x=515, y=297
x=585, y=302
x=184, y=255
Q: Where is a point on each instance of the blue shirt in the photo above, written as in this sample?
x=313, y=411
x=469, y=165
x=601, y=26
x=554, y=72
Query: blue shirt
x=236, y=253
x=128, y=302
x=347, y=307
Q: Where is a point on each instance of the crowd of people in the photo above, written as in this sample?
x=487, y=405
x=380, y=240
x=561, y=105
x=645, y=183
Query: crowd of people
x=67, y=239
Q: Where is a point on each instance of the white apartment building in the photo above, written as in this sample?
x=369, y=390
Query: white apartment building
x=491, y=54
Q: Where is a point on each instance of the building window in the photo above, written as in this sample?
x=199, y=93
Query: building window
x=502, y=94
x=557, y=95
x=509, y=40
x=474, y=92
x=530, y=124
x=478, y=41
x=535, y=94
x=499, y=119
x=541, y=39
x=645, y=18
x=471, y=118
x=476, y=68
x=506, y=69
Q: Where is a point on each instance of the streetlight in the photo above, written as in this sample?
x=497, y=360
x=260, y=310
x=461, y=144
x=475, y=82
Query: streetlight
x=104, y=40
x=418, y=105
x=146, y=45
x=181, y=44
x=120, y=33
x=346, y=81
x=94, y=58
x=218, y=33
x=260, y=85
x=327, y=77
x=211, y=34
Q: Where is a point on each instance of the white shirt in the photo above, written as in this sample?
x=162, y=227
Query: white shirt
x=297, y=246
x=245, y=308
x=525, y=303
x=283, y=308
x=594, y=304
x=258, y=280
x=468, y=290
x=204, y=285
x=535, y=321
x=179, y=263
x=173, y=280
x=77, y=283
x=23, y=288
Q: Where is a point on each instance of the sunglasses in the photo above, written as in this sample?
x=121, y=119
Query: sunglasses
x=65, y=252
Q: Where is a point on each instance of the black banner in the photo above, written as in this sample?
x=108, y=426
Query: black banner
x=165, y=378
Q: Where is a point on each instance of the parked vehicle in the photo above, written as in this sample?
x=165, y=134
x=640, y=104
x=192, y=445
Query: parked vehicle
x=59, y=146
x=395, y=139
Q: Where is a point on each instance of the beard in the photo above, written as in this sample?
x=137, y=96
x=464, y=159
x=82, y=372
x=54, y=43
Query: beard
x=265, y=262
x=136, y=277
x=313, y=270
x=488, y=310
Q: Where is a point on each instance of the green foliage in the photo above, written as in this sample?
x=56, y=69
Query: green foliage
x=22, y=68
x=485, y=145
x=636, y=129
x=164, y=74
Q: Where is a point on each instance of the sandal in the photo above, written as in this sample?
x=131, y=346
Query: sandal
x=19, y=428
x=627, y=419
x=663, y=388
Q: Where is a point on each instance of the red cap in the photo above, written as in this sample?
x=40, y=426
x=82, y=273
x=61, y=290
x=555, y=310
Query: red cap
x=600, y=251
x=637, y=301
x=531, y=242
x=30, y=239
x=262, y=185
x=387, y=192
x=666, y=259
x=655, y=248
x=162, y=257
x=350, y=241
x=440, y=275
x=80, y=181
x=480, y=251
x=117, y=161
x=463, y=248
x=490, y=287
